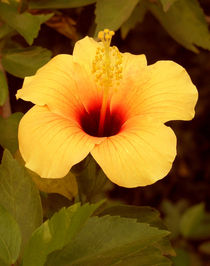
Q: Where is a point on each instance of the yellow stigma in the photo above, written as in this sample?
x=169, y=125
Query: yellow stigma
x=107, y=64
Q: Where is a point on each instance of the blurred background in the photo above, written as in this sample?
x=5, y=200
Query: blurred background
x=183, y=197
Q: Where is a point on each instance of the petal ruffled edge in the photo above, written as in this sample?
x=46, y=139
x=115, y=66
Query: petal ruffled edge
x=169, y=93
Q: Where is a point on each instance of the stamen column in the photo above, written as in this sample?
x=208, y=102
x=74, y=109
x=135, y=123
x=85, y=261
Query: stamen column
x=107, y=68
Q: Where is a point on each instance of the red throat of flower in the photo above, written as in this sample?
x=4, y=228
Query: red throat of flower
x=91, y=121
x=107, y=71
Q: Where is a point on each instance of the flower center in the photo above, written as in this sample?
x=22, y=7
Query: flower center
x=113, y=121
x=107, y=69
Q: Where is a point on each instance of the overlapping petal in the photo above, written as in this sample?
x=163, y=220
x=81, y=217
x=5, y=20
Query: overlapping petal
x=85, y=51
x=163, y=91
x=139, y=155
x=50, y=144
x=63, y=85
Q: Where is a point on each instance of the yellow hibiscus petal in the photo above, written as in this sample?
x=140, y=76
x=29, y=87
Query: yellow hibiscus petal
x=163, y=91
x=139, y=155
x=169, y=94
x=132, y=65
x=50, y=144
x=63, y=85
x=85, y=52
x=128, y=94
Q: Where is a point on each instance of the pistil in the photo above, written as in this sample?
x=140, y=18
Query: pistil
x=107, y=68
x=103, y=115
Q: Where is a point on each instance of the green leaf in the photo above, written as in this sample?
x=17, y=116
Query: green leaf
x=3, y=88
x=147, y=257
x=2, y=263
x=66, y=186
x=26, y=24
x=172, y=216
x=191, y=219
x=56, y=232
x=92, y=182
x=19, y=196
x=167, y=4
x=187, y=257
x=55, y=4
x=195, y=223
x=185, y=22
x=10, y=237
x=106, y=240
x=5, y=30
x=202, y=232
x=25, y=61
x=182, y=258
x=20, y=5
x=137, y=16
x=112, y=14
x=9, y=131
x=12, y=2
x=143, y=215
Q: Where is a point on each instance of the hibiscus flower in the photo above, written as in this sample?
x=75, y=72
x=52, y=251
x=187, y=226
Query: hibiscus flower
x=106, y=103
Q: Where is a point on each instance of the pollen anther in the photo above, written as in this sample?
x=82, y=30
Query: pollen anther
x=107, y=64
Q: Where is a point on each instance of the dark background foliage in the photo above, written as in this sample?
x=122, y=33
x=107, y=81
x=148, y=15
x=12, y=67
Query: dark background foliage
x=189, y=180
